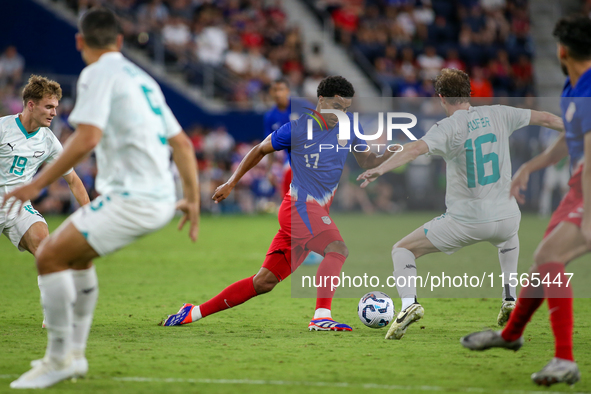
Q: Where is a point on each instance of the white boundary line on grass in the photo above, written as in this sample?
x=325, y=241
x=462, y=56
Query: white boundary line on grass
x=139, y=379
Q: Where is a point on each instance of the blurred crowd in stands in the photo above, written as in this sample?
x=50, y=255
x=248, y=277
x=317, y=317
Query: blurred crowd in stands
x=238, y=47
x=409, y=41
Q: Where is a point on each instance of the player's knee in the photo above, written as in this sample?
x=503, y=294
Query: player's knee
x=34, y=242
x=545, y=253
x=47, y=258
x=337, y=247
x=264, y=283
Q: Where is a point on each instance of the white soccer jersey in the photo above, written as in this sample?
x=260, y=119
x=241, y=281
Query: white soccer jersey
x=133, y=157
x=475, y=146
x=22, y=153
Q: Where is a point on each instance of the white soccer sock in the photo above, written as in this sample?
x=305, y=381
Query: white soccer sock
x=322, y=313
x=406, y=302
x=86, y=283
x=58, y=293
x=196, y=313
x=39, y=285
x=404, y=267
x=508, y=258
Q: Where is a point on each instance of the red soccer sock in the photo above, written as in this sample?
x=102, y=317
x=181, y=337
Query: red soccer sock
x=329, y=267
x=560, y=306
x=231, y=296
x=529, y=300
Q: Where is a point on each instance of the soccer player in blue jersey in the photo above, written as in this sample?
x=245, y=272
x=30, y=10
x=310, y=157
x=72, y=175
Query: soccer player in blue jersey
x=281, y=113
x=568, y=235
x=304, y=215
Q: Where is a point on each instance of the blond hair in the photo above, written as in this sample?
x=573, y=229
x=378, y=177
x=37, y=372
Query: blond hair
x=39, y=87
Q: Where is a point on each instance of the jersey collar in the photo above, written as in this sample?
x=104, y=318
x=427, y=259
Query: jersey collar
x=113, y=54
x=25, y=132
x=584, y=80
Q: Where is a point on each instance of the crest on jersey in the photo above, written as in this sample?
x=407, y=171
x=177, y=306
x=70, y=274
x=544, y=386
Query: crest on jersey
x=39, y=153
x=326, y=220
x=570, y=112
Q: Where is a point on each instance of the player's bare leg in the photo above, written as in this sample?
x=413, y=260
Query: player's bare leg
x=33, y=237
x=67, y=298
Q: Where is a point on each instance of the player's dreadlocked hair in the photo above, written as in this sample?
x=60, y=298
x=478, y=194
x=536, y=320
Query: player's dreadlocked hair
x=335, y=86
x=574, y=32
x=454, y=85
x=99, y=27
x=39, y=87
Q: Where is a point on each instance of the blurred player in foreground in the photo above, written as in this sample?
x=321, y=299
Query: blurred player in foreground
x=304, y=216
x=26, y=143
x=121, y=111
x=568, y=235
x=474, y=141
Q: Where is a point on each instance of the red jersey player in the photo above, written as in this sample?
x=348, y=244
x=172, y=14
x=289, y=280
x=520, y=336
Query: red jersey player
x=304, y=216
x=568, y=235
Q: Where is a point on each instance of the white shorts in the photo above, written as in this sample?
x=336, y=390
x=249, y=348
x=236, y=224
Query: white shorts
x=112, y=221
x=449, y=235
x=18, y=223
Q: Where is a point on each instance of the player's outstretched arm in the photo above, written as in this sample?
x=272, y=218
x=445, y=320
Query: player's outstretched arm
x=546, y=119
x=552, y=155
x=184, y=158
x=81, y=143
x=409, y=152
x=367, y=160
x=251, y=159
x=77, y=188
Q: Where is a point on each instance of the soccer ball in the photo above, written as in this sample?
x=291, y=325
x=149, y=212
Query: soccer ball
x=376, y=309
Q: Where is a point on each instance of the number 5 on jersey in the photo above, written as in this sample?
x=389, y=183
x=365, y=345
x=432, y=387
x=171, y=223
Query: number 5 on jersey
x=481, y=160
x=156, y=109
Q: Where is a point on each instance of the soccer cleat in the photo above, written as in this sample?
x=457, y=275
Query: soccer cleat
x=183, y=316
x=327, y=324
x=556, y=371
x=43, y=324
x=404, y=319
x=505, y=312
x=44, y=374
x=80, y=365
x=483, y=340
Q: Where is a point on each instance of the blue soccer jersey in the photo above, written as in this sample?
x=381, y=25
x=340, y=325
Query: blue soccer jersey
x=575, y=106
x=317, y=163
x=275, y=118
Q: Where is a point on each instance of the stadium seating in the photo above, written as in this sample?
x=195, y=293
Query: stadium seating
x=406, y=41
x=232, y=49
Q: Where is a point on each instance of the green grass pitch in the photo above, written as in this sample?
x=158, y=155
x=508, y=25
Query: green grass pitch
x=264, y=346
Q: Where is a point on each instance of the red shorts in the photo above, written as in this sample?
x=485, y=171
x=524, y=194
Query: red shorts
x=571, y=206
x=305, y=227
x=286, y=181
